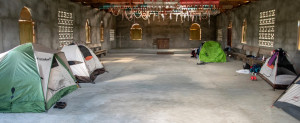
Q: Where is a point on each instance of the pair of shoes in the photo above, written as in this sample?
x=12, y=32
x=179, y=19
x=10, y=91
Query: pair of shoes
x=202, y=63
x=60, y=105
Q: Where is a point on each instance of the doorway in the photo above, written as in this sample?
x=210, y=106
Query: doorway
x=229, y=34
x=26, y=27
x=163, y=43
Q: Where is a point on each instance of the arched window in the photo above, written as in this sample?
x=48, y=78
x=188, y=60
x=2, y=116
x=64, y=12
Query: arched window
x=136, y=32
x=101, y=32
x=26, y=27
x=195, y=32
x=87, y=32
x=244, y=31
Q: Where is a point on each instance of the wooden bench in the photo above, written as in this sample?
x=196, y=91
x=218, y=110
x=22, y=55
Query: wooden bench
x=96, y=48
x=263, y=54
x=100, y=52
x=240, y=52
x=236, y=51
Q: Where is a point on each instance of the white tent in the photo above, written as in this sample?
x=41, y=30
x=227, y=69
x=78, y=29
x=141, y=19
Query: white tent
x=36, y=76
x=289, y=101
x=83, y=62
x=278, y=71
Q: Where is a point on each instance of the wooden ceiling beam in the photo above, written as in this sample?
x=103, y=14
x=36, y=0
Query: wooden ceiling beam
x=230, y=4
x=92, y=3
x=96, y=5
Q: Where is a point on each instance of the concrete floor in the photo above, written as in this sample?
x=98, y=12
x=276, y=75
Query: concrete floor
x=165, y=89
x=151, y=51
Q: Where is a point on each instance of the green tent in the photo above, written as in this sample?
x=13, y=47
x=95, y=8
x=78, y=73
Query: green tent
x=33, y=78
x=211, y=51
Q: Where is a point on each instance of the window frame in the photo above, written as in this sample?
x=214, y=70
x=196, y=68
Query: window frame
x=199, y=29
x=26, y=17
x=136, y=27
x=101, y=32
x=298, y=48
x=244, y=32
x=87, y=32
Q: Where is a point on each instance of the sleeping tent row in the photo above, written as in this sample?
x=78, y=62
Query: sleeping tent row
x=280, y=74
x=33, y=77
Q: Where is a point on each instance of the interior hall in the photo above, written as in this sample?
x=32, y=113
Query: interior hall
x=144, y=61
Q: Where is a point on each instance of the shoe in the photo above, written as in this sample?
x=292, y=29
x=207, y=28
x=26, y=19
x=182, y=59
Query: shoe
x=201, y=63
x=60, y=105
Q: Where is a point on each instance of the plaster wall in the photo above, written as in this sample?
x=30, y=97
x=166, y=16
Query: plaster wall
x=286, y=25
x=45, y=16
x=177, y=32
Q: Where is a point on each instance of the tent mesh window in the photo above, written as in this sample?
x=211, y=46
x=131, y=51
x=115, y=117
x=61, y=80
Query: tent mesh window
x=283, y=64
x=195, y=32
x=54, y=63
x=85, y=52
x=136, y=32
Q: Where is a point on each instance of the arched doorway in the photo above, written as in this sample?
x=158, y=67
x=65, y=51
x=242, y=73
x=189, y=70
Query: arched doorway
x=195, y=32
x=26, y=27
x=229, y=34
x=136, y=32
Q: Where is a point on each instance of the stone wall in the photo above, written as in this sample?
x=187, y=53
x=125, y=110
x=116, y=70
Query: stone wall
x=177, y=32
x=44, y=14
x=286, y=25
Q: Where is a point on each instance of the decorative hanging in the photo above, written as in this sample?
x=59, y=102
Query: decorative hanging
x=158, y=17
x=115, y=13
x=148, y=21
x=186, y=9
x=139, y=13
x=192, y=18
x=181, y=19
x=126, y=16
